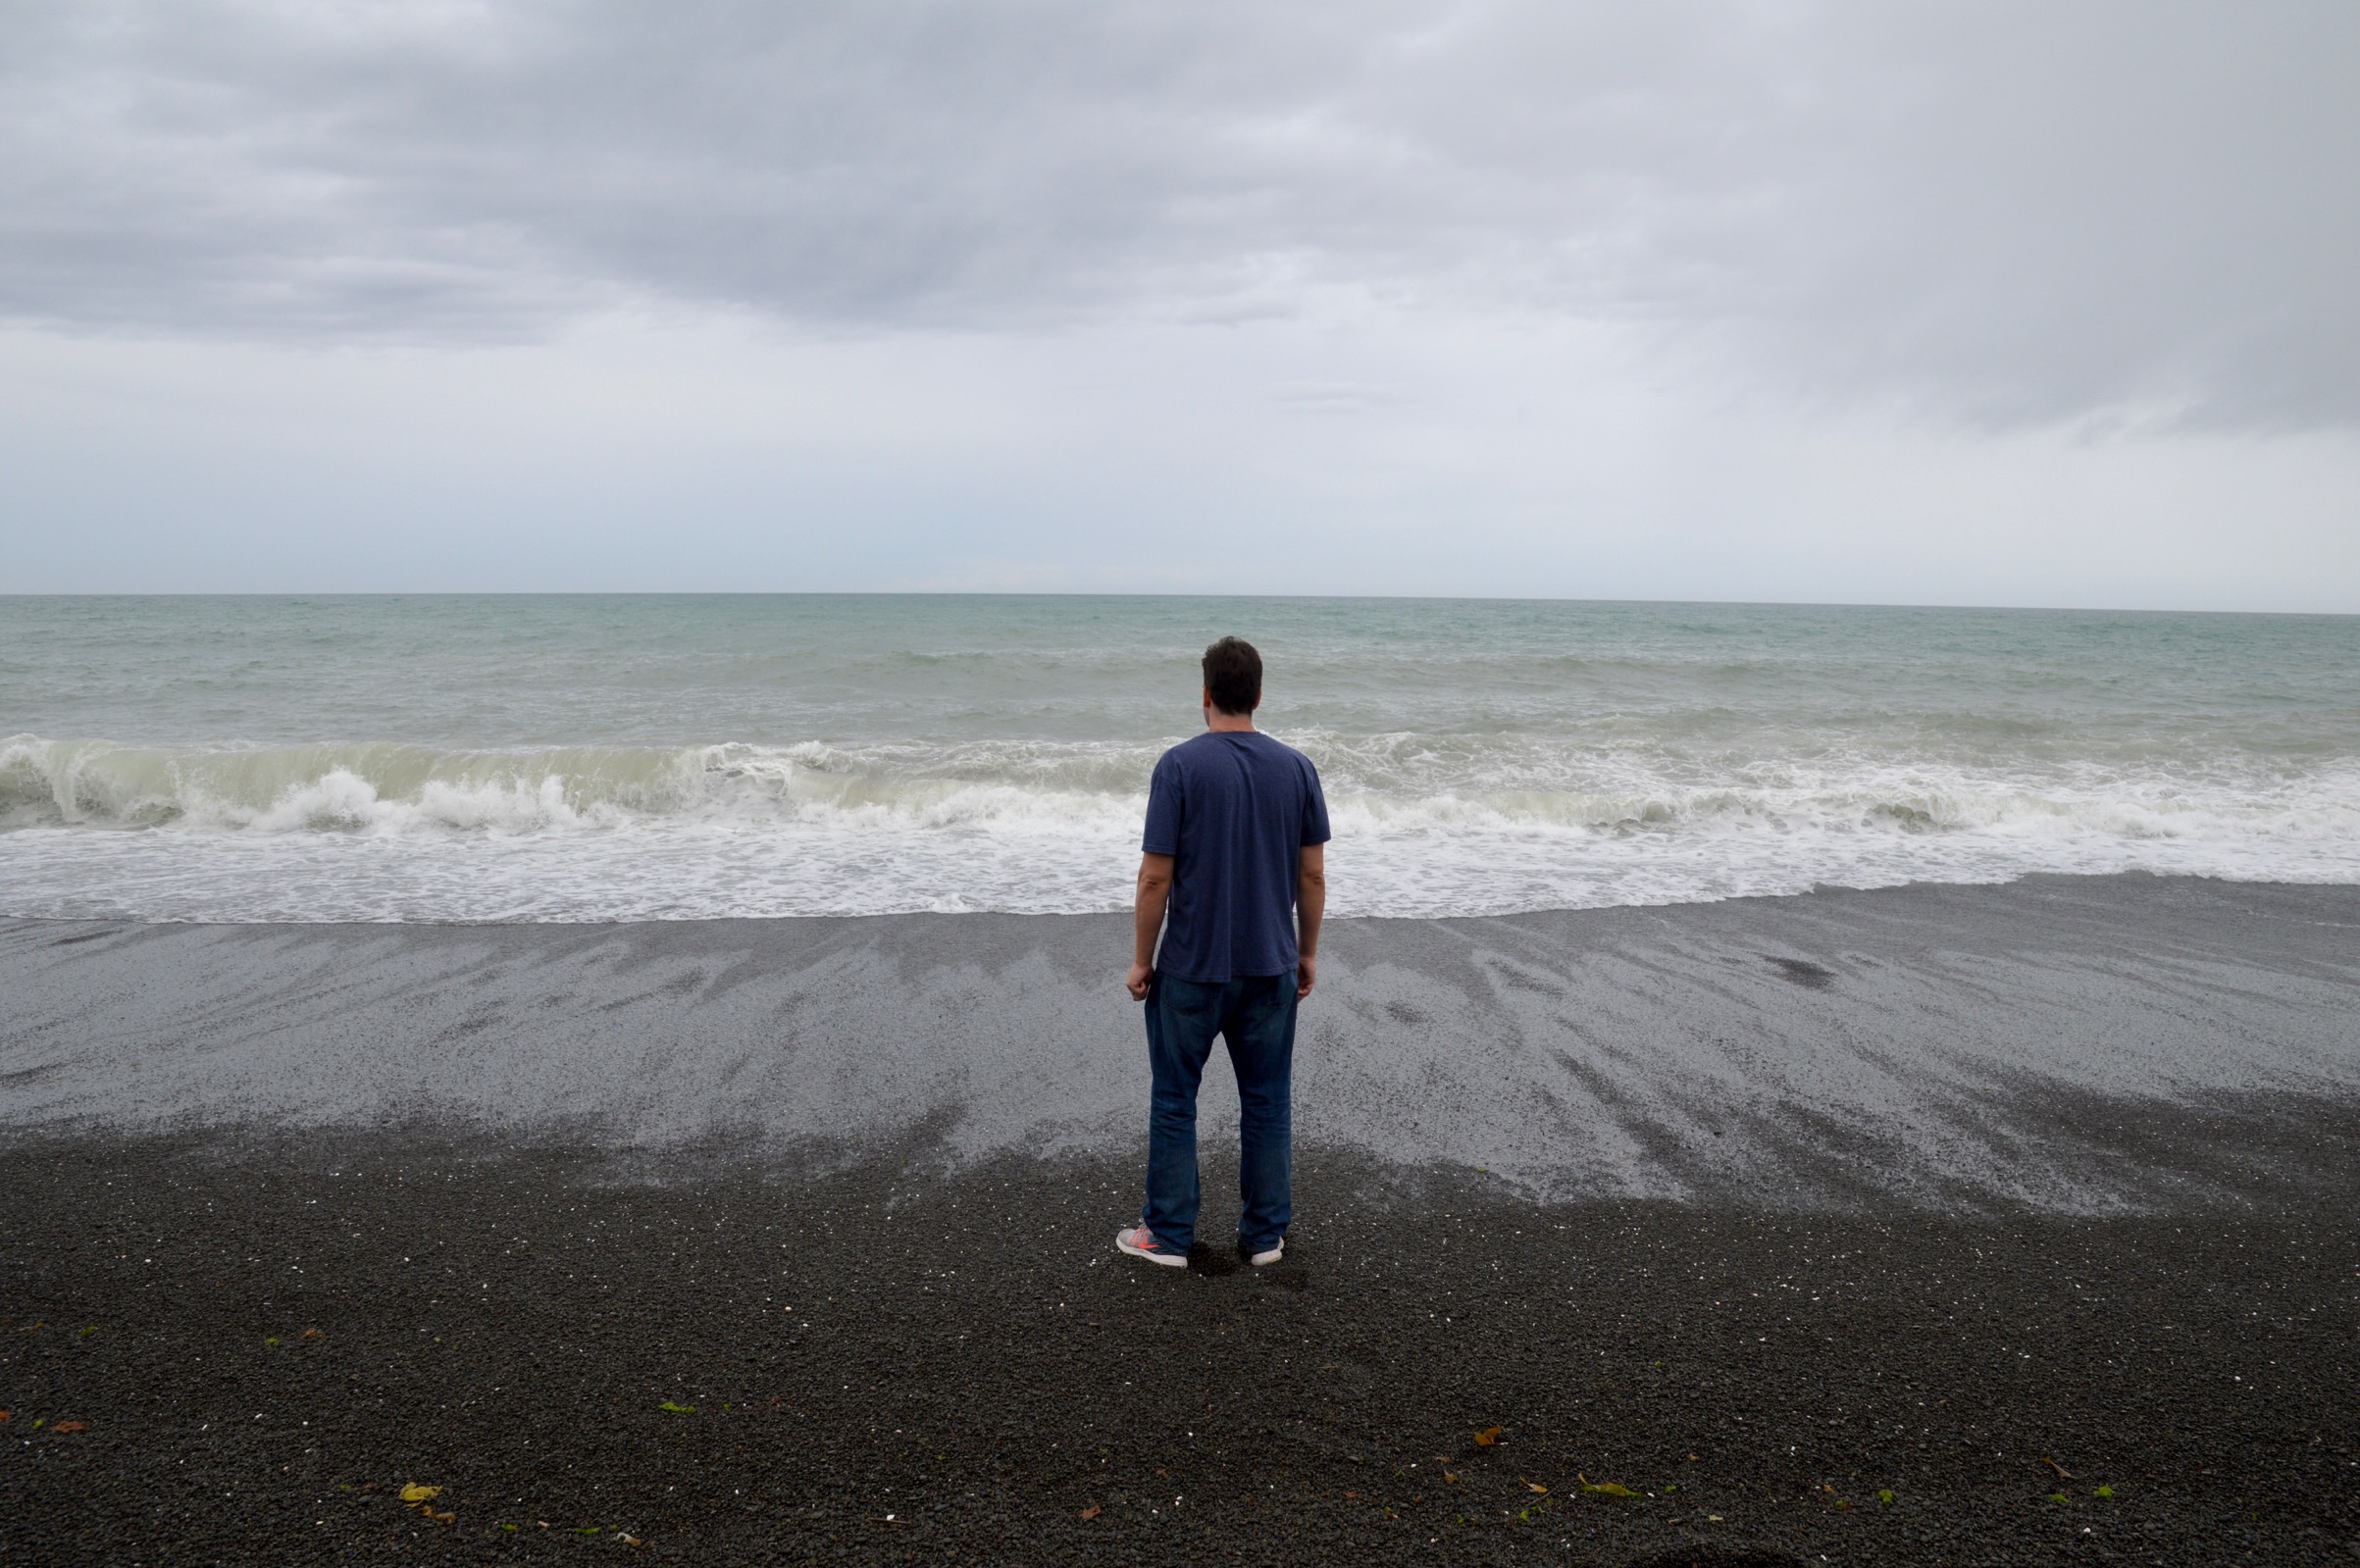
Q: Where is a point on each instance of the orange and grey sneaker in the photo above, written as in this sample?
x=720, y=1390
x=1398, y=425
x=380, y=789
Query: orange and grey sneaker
x=1141, y=1243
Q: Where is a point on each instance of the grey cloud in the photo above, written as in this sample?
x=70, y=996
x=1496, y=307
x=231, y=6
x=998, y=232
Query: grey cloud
x=2007, y=213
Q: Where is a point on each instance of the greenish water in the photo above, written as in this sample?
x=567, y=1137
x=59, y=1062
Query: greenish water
x=572, y=758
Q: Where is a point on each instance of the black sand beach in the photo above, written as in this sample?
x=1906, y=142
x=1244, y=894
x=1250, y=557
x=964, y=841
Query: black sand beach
x=2029, y=1206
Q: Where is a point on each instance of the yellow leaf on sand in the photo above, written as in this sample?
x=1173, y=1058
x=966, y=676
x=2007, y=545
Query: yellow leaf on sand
x=1612, y=1489
x=412, y=1491
x=1535, y=1485
x=1487, y=1436
x=443, y=1518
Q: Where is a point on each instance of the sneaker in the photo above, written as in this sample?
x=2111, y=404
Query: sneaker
x=1141, y=1243
x=1263, y=1258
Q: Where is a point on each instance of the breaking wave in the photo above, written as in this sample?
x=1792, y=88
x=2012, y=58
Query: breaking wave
x=1425, y=825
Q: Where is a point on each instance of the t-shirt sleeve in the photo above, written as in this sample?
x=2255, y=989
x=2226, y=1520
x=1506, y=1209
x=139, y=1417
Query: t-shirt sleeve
x=1314, y=807
x=1163, y=836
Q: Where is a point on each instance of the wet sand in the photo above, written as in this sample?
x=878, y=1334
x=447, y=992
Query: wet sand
x=1946, y=1046
x=1985, y=1197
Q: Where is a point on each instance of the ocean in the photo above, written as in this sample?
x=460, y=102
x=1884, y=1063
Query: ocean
x=657, y=757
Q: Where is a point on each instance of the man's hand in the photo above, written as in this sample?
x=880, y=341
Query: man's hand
x=1137, y=984
x=1307, y=968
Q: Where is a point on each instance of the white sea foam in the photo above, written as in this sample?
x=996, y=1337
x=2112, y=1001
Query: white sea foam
x=609, y=758
x=1424, y=827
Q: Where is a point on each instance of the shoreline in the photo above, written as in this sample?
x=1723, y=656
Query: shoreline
x=2052, y=880
x=2077, y=1044
x=787, y=1241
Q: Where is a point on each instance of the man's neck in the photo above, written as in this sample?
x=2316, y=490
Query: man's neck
x=1227, y=722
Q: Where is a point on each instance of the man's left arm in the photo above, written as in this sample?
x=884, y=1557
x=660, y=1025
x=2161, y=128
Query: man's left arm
x=1311, y=880
x=1311, y=903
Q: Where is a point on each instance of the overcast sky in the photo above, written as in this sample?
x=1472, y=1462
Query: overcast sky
x=2045, y=303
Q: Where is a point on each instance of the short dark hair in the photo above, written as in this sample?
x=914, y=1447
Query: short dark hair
x=1233, y=673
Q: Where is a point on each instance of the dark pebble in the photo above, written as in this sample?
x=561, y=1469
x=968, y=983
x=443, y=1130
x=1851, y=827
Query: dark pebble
x=895, y=1362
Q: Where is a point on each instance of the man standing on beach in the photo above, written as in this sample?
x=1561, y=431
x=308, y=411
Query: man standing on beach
x=1233, y=879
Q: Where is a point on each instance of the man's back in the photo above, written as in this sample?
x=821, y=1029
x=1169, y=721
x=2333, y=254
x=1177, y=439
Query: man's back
x=1234, y=809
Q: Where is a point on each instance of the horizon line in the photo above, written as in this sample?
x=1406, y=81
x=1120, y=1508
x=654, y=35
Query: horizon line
x=1137, y=594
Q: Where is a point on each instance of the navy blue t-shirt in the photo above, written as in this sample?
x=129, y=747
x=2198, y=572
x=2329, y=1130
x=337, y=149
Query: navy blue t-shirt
x=1234, y=809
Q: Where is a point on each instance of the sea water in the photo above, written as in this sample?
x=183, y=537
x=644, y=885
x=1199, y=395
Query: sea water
x=564, y=758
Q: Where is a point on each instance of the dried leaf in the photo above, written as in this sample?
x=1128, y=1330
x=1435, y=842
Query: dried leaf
x=1448, y=1476
x=1488, y=1436
x=1093, y=1511
x=1353, y=1495
x=630, y=1541
x=412, y=1491
x=1535, y=1485
x=439, y=1518
x=2063, y=1474
x=313, y=1333
x=71, y=1426
x=3, y=1415
x=1610, y=1488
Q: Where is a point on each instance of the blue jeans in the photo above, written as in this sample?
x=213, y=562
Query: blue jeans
x=1255, y=1015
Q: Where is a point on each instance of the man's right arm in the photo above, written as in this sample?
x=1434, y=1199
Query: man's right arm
x=1147, y=921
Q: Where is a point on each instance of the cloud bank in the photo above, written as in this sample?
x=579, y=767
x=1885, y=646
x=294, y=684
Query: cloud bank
x=2006, y=215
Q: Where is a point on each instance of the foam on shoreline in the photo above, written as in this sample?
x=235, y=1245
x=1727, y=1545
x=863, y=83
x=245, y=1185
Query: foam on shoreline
x=1430, y=825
